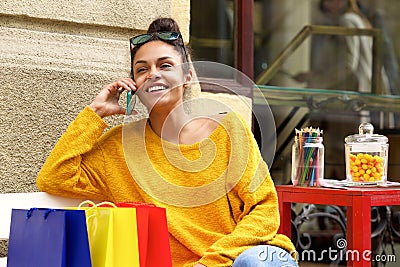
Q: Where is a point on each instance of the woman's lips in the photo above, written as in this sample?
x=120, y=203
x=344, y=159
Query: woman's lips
x=156, y=88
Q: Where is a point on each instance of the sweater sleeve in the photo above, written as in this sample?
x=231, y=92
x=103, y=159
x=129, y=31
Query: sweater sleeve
x=254, y=206
x=72, y=168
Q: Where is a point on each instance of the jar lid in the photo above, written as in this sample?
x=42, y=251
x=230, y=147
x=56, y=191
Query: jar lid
x=366, y=135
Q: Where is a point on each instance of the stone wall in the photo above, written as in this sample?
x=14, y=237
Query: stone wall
x=55, y=56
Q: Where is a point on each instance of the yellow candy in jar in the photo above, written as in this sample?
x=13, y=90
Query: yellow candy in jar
x=366, y=168
x=366, y=155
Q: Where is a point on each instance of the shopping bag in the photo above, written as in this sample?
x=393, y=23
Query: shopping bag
x=48, y=238
x=153, y=237
x=112, y=235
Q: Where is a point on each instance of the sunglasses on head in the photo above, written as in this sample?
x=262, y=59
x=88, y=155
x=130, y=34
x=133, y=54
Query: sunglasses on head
x=164, y=36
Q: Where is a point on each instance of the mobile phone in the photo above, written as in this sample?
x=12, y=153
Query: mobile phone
x=128, y=102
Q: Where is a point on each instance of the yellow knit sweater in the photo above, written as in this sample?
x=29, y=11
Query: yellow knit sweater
x=218, y=194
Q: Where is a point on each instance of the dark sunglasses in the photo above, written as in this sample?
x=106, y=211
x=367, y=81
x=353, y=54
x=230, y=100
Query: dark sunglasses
x=164, y=36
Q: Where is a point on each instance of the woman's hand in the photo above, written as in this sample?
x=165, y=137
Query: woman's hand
x=199, y=265
x=106, y=102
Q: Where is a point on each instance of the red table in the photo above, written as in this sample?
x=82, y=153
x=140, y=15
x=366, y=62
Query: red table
x=358, y=202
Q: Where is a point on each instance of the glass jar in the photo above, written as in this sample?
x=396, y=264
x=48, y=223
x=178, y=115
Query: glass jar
x=307, y=161
x=366, y=157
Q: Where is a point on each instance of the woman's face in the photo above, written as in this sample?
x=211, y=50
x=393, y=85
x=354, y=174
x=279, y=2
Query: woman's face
x=159, y=75
x=335, y=7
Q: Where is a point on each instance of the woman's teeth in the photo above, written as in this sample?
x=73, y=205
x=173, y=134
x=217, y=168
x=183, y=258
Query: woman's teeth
x=156, y=88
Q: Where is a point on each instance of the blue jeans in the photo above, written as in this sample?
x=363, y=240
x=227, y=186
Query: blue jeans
x=265, y=255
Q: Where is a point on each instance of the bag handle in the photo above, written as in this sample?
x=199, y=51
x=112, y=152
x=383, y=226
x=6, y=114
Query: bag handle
x=126, y=204
x=91, y=204
x=45, y=213
x=133, y=204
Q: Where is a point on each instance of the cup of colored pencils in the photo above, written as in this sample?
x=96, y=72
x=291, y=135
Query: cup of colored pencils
x=308, y=157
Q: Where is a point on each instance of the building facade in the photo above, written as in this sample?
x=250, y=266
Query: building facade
x=55, y=57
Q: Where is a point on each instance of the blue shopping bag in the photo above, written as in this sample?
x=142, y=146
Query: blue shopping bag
x=48, y=238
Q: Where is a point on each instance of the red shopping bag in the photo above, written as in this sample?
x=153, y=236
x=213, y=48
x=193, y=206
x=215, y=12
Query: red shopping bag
x=153, y=237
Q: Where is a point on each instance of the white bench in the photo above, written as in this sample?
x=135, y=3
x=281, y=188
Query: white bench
x=26, y=201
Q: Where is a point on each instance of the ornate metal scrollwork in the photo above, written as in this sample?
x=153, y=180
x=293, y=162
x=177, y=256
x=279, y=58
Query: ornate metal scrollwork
x=385, y=226
x=343, y=102
x=309, y=213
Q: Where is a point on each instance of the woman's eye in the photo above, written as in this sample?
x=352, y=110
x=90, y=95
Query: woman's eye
x=140, y=70
x=166, y=66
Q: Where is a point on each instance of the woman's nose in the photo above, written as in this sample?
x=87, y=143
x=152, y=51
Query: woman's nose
x=153, y=74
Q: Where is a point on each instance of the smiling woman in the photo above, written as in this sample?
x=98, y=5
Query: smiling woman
x=161, y=83
x=205, y=170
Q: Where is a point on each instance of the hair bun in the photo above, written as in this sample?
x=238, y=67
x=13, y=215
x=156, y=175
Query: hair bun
x=163, y=25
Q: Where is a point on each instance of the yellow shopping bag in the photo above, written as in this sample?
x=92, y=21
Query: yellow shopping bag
x=113, y=237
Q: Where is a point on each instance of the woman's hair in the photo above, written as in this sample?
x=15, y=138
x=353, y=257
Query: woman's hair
x=355, y=6
x=322, y=7
x=352, y=6
x=165, y=25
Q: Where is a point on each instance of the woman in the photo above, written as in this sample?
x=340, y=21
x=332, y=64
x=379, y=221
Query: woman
x=229, y=221
x=359, y=54
x=348, y=66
